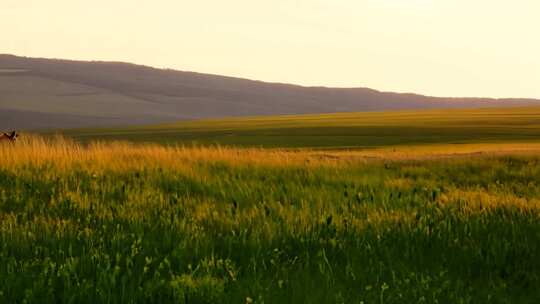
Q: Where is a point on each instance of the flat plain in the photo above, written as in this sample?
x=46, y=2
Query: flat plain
x=341, y=130
x=254, y=211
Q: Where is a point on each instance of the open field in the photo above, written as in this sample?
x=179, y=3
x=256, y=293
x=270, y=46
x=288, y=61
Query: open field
x=119, y=223
x=345, y=130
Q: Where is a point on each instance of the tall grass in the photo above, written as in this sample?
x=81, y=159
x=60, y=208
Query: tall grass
x=116, y=222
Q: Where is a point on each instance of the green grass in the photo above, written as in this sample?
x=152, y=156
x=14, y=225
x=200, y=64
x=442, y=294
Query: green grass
x=350, y=130
x=149, y=224
x=118, y=223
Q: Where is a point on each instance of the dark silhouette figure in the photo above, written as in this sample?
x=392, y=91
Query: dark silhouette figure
x=12, y=137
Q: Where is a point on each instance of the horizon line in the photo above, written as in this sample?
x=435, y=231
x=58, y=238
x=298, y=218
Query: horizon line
x=265, y=81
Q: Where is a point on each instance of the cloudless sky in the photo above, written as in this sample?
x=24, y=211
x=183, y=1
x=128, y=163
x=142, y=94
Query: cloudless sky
x=434, y=47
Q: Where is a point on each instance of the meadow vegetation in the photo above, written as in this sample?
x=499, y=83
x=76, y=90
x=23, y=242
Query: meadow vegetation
x=115, y=222
x=339, y=130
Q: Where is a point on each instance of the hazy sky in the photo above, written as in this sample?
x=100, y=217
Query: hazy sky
x=435, y=47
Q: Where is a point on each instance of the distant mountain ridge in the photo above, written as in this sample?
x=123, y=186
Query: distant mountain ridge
x=51, y=93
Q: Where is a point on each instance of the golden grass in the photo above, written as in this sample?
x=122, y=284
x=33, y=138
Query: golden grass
x=482, y=201
x=63, y=154
x=118, y=156
x=116, y=207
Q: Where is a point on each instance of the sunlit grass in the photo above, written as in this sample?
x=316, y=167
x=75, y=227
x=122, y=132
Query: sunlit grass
x=111, y=222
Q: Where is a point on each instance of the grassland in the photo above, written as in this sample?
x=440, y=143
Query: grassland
x=116, y=222
x=345, y=130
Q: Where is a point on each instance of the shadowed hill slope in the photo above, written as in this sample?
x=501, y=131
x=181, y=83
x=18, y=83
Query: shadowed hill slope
x=50, y=93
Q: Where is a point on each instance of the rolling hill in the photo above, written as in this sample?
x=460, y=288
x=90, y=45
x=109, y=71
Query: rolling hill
x=49, y=93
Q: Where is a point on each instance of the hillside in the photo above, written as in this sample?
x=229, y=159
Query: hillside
x=341, y=130
x=49, y=93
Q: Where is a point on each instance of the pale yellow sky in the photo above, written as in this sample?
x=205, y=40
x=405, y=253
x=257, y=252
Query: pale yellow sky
x=434, y=47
